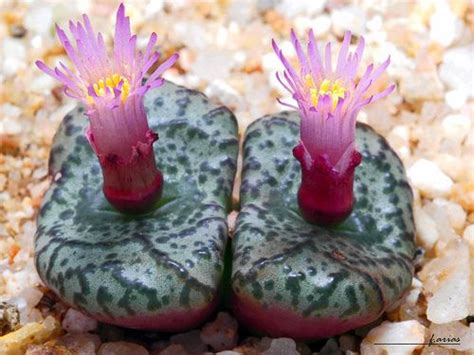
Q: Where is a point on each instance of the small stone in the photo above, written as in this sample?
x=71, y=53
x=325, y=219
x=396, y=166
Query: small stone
x=321, y=25
x=348, y=342
x=122, y=348
x=456, y=127
x=455, y=70
x=174, y=349
x=213, y=64
x=468, y=235
x=222, y=333
x=456, y=214
x=410, y=332
x=9, y=318
x=426, y=232
x=428, y=177
x=26, y=299
x=446, y=282
x=456, y=98
x=10, y=126
x=222, y=92
x=17, y=31
x=251, y=346
x=42, y=83
x=47, y=349
x=191, y=342
x=291, y=9
x=423, y=86
x=17, y=341
x=445, y=26
x=84, y=344
x=347, y=18
x=76, y=322
x=452, y=164
x=331, y=348
x=39, y=19
x=463, y=193
x=14, y=56
x=449, y=216
x=242, y=12
x=281, y=346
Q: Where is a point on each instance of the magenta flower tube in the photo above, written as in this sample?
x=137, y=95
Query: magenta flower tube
x=328, y=99
x=112, y=87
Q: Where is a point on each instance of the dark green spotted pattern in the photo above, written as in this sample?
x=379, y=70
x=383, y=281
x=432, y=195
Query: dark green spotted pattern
x=113, y=265
x=353, y=270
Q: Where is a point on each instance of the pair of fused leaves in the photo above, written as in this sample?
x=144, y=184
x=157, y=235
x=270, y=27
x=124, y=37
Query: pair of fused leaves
x=118, y=268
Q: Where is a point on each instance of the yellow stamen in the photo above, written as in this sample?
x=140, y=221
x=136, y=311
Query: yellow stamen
x=334, y=89
x=110, y=82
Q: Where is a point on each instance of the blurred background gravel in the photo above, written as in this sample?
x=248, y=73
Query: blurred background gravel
x=225, y=51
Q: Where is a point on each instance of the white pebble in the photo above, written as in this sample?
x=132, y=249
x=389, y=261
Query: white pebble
x=14, y=56
x=10, y=126
x=423, y=86
x=453, y=165
x=456, y=98
x=456, y=69
x=447, y=286
x=291, y=8
x=456, y=127
x=410, y=332
x=213, y=64
x=25, y=301
x=321, y=25
x=42, y=84
x=76, y=322
x=468, y=235
x=446, y=215
x=242, y=12
x=426, y=232
x=445, y=26
x=429, y=178
x=456, y=214
x=224, y=93
x=39, y=19
x=351, y=18
x=11, y=111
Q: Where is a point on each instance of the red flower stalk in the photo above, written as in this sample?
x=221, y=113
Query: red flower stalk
x=328, y=100
x=111, y=86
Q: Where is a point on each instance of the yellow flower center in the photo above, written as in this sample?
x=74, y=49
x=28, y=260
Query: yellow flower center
x=111, y=82
x=334, y=89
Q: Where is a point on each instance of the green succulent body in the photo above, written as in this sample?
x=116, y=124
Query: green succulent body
x=161, y=270
x=291, y=278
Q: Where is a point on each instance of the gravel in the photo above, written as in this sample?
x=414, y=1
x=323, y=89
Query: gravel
x=429, y=121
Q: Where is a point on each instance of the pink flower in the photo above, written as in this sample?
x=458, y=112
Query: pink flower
x=328, y=99
x=112, y=87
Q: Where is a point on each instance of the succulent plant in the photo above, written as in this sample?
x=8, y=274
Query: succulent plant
x=305, y=263
x=301, y=280
x=159, y=270
x=159, y=265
